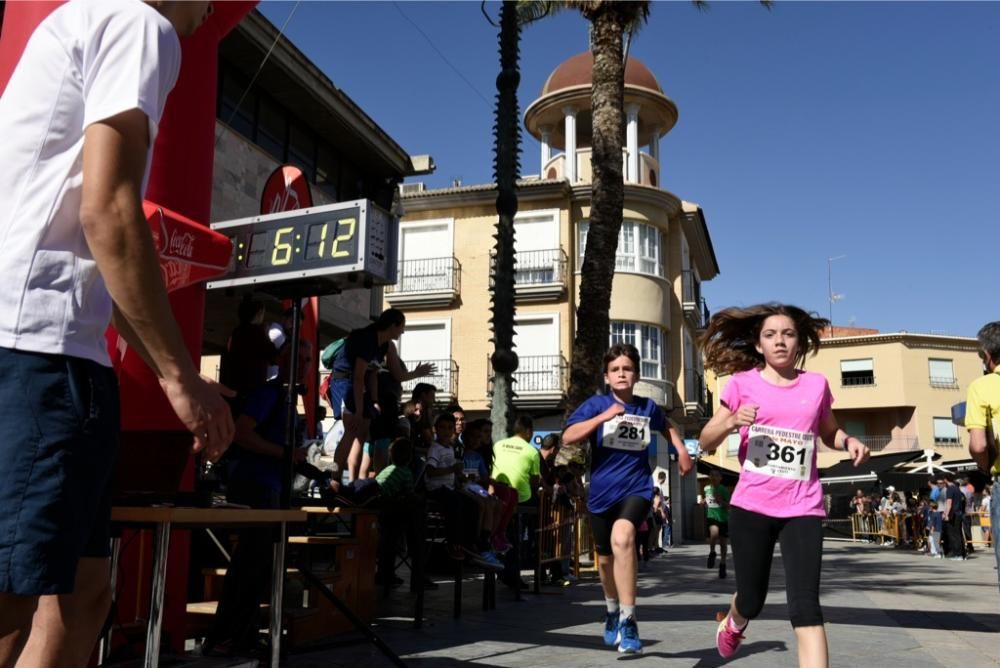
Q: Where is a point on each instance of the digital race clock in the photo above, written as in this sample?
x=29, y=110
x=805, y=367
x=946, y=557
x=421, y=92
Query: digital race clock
x=314, y=251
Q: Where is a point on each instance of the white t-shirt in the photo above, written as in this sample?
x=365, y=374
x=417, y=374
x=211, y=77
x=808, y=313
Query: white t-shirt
x=86, y=62
x=440, y=457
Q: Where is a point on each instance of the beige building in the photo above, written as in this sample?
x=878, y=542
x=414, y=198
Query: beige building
x=664, y=254
x=894, y=391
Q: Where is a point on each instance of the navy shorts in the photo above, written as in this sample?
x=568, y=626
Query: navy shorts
x=60, y=426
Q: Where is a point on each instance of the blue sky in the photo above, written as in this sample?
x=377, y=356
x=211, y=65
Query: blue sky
x=806, y=132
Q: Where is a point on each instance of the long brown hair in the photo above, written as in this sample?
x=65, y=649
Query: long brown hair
x=730, y=340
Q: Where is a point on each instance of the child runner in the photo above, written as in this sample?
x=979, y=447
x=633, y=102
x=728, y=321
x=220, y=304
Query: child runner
x=620, y=426
x=717, y=519
x=778, y=409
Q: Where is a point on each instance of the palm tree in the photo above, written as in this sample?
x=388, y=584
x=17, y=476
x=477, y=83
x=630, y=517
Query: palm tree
x=507, y=140
x=609, y=21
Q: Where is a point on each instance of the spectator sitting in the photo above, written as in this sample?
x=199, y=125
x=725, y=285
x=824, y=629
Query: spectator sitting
x=460, y=512
x=424, y=395
x=460, y=424
x=477, y=485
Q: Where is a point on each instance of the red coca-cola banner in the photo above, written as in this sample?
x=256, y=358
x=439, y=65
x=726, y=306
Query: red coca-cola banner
x=189, y=253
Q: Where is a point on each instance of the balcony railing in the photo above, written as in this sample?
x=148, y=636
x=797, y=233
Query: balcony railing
x=695, y=392
x=445, y=379
x=693, y=303
x=857, y=381
x=946, y=382
x=426, y=282
x=539, y=274
x=878, y=443
x=543, y=373
x=539, y=379
x=947, y=442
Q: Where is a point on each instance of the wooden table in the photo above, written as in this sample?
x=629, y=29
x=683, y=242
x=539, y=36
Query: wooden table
x=164, y=518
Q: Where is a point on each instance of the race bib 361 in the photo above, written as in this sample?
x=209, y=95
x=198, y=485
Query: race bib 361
x=778, y=452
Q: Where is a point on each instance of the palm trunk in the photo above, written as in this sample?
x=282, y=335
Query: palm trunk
x=609, y=21
x=507, y=135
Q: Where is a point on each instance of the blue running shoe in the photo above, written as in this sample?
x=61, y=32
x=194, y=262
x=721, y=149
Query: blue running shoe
x=628, y=637
x=611, y=629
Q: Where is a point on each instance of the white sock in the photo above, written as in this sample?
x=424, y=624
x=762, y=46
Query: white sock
x=612, y=604
x=627, y=611
x=734, y=626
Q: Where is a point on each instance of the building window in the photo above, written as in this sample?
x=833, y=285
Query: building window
x=302, y=150
x=639, y=248
x=236, y=104
x=857, y=372
x=942, y=373
x=945, y=432
x=271, y=129
x=648, y=339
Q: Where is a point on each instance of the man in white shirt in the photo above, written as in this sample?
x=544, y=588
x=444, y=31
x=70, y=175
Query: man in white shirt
x=78, y=119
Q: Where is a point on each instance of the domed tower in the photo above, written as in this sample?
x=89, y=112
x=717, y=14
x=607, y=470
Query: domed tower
x=560, y=119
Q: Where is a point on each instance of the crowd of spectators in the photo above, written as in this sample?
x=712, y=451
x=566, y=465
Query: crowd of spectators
x=937, y=521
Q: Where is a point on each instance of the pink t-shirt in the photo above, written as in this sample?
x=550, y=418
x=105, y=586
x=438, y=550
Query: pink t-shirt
x=800, y=406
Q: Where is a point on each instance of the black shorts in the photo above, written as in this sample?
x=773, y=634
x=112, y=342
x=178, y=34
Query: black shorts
x=635, y=509
x=723, y=527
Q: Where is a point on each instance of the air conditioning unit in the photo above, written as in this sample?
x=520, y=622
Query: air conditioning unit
x=412, y=188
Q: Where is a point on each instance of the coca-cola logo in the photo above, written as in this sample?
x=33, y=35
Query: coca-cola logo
x=159, y=230
x=181, y=245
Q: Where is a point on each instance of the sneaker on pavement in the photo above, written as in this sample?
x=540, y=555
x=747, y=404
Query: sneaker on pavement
x=491, y=559
x=727, y=639
x=611, y=629
x=628, y=637
x=722, y=569
x=711, y=559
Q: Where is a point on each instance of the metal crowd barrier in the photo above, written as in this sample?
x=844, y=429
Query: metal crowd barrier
x=563, y=533
x=906, y=529
x=982, y=531
x=889, y=528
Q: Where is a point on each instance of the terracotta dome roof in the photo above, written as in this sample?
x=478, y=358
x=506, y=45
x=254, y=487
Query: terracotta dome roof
x=578, y=71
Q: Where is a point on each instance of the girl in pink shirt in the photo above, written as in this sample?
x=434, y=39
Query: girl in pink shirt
x=779, y=410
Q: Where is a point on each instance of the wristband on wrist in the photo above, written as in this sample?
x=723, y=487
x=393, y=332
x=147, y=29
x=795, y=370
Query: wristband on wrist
x=846, y=438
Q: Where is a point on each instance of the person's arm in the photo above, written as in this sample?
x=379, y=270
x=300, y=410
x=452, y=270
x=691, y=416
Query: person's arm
x=684, y=462
x=982, y=449
x=113, y=224
x=581, y=431
x=947, y=508
x=248, y=439
x=723, y=423
x=832, y=434
x=396, y=367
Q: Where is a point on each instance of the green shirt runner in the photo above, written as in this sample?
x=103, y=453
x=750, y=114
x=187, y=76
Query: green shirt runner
x=717, y=503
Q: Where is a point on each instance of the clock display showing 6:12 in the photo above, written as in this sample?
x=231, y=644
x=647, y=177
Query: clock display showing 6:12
x=295, y=245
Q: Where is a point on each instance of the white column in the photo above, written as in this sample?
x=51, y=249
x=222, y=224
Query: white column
x=569, y=113
x=632, y=142
x=654, y=146
x=546, y=149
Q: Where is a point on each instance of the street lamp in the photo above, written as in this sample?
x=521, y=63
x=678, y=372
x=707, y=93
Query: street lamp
x=833, y=296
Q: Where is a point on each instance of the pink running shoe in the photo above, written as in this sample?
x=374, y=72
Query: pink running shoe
x=727, y=638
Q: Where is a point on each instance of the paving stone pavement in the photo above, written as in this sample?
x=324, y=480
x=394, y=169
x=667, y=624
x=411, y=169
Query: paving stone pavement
x=884, y=607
